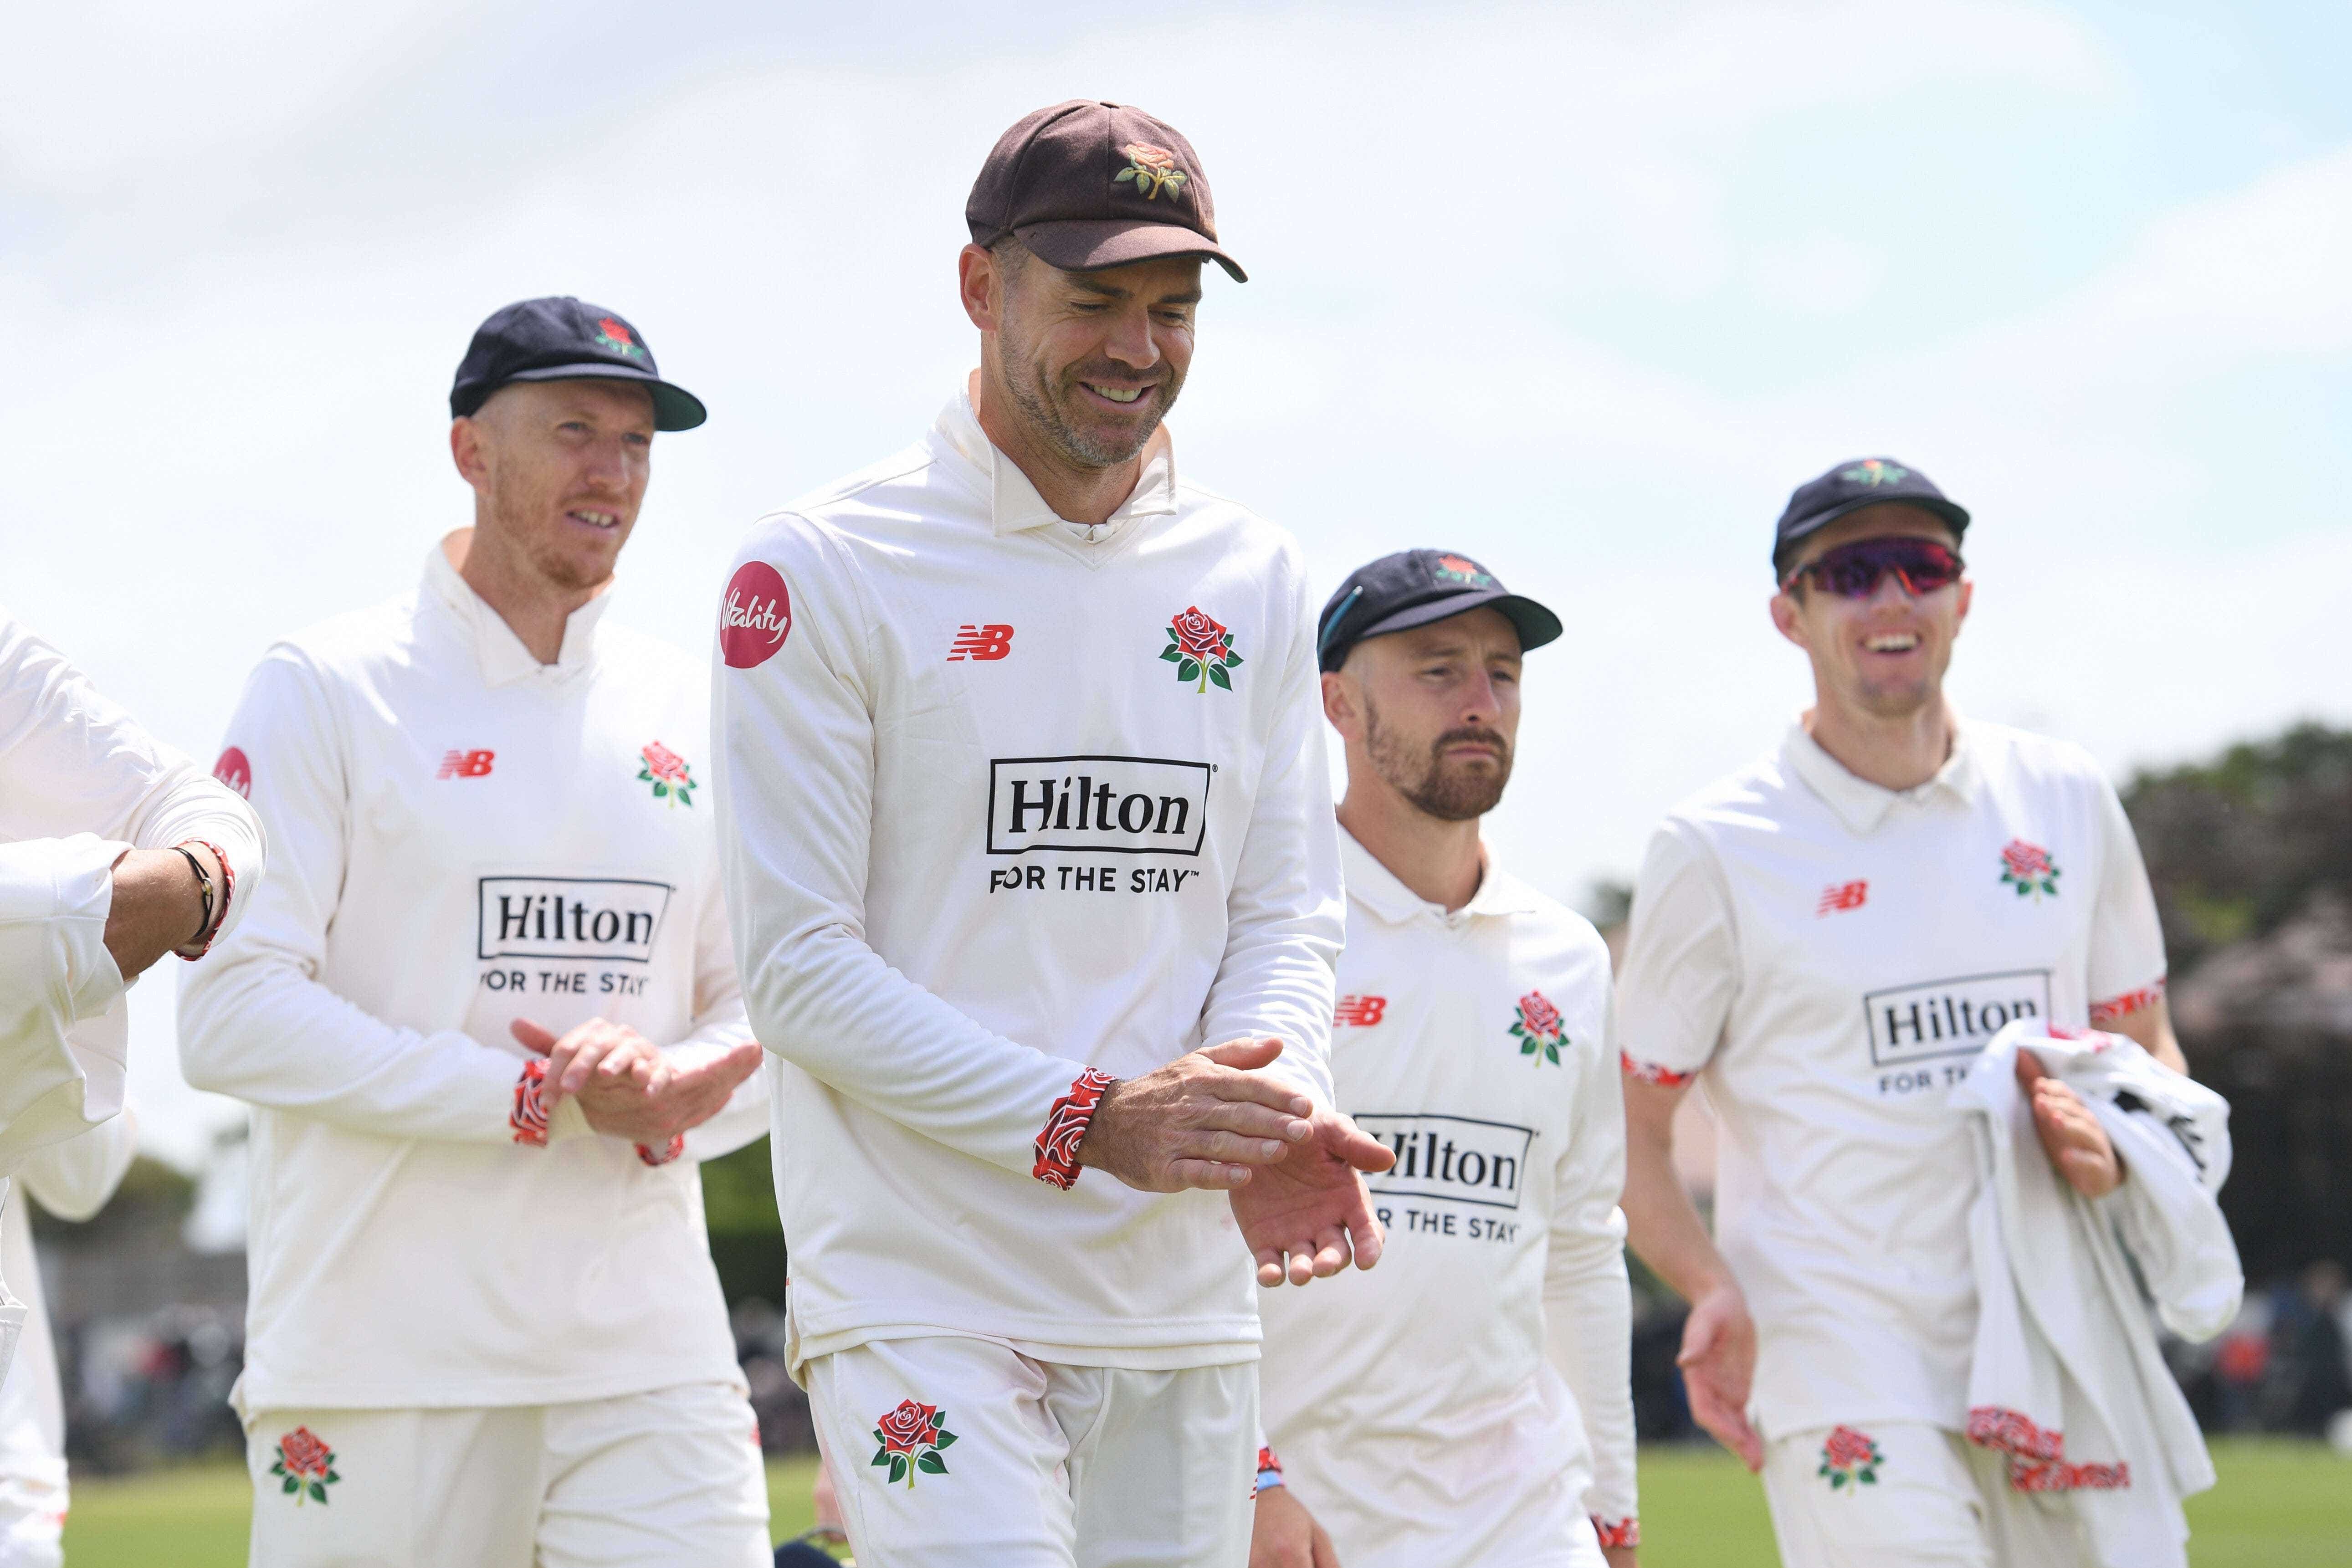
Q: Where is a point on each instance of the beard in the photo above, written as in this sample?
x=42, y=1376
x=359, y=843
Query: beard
x=1448, y=791
x=1049, y=402
x=518, y=511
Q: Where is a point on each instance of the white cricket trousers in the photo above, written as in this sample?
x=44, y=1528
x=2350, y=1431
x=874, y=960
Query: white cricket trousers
x=1930, y=1500
x=963, y=1453
x=669, y=1478
x=32, y=1511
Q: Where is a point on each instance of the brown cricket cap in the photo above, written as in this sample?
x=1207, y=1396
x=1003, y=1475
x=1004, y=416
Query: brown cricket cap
x=1088, y=185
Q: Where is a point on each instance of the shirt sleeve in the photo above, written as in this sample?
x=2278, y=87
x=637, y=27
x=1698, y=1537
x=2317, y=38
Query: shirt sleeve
x=795, y=840
x=721, y=1019
x=1286, y=912
x=256, y=1022
x=2128, y=967
x=1588, y=1303
x=73, y=1179
x=1682, y=961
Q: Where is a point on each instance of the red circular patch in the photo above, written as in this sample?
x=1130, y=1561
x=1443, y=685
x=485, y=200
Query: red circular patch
x=234, y=770
x=757, y=616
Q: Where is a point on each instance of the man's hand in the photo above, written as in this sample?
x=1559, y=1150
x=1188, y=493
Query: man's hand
x=1202, y=1121
x=1283, y=1534
x=1311, y=1204
x=2078, y=1147
x=630, y=1087
x=1718, y=1363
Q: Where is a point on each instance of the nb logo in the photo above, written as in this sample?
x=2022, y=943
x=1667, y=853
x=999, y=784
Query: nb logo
x=1843, y=896
x=464, y=765
x=979, y=642
x=1359, y=1011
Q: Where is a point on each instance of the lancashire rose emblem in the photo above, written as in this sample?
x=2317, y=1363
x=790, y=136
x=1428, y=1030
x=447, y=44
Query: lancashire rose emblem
x=756, y=617
x=1201, y=649
x=666, y=771
x=1538, y=1029
x=306, y=1465
x=2027, y=867
x=1874, y=472
x=911, y=1438
x=614, y=333
x=1850, y=1458
x=1152, y=169
x=1463, y=570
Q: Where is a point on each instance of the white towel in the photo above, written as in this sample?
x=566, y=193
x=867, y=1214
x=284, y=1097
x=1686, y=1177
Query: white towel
x=2067, y=1379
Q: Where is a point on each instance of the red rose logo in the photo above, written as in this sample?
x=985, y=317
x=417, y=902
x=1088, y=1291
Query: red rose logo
x=2027, y=867
x=305, y=1466
x=1201, y=648
x=663, y=763
x=1150, y=169
x=1198, y=636
x=666, y=771
x=1538, y=1028
x=911, y=1438
x=756, y=617
x=1850, y=1458
x=234, y=770
x=910, y=1427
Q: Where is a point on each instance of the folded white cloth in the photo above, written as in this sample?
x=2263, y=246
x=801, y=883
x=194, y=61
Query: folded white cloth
x=2067, y=1378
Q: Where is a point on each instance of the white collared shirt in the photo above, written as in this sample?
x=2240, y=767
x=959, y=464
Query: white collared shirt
x=1464, y=1403
x=981, y=837
x=1829, y=956
x=468, y=837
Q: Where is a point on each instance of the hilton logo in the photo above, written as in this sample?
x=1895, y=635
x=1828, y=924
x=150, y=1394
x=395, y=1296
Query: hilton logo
x=569, y=917
x=1451, y=1157
x=1115, y=805
x=1951, y=1017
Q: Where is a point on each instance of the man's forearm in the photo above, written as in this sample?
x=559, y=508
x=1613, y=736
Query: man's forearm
x=1661, y=1222
x=158, y=904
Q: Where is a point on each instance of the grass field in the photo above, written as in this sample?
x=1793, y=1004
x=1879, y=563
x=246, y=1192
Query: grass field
x=2280, y=1505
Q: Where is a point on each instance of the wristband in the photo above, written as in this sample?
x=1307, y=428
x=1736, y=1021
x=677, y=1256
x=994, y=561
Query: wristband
x=1269, y=1472
x=529, y=1118
x=1626, y=1532
x=671, y=1150
x=1066, y=1128
x=214, y=917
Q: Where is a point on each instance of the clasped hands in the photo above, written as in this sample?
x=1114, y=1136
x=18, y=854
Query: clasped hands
x=1293, y=1169
x=628, y=1087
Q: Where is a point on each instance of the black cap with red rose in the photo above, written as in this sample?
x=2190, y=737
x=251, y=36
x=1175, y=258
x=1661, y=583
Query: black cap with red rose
x=1412, y=588
x=563, y=339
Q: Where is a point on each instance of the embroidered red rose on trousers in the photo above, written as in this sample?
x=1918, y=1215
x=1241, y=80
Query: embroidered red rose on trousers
x=911, y=1436
x=306, y=1465
x=1202, y=649
x=1538, y=1028
x=2027, y=867
x=1850, y=1458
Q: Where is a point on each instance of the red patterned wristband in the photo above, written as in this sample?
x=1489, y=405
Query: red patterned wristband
x=1623, y=1532
x=670, y=1150
x=529, y=1118
x=1651, y=1072
x=1066, y=1128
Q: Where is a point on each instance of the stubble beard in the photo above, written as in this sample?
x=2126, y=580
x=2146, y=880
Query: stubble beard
x=1457, y=792
x=1044, y=407
x=517, y=515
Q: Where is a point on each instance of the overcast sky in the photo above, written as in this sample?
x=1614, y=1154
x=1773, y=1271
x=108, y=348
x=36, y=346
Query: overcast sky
x=1583, y=290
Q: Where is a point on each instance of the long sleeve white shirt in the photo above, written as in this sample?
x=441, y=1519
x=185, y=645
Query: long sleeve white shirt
x=1462, y=1404
x=981, y=835
x=80, y=784
x=466, y=837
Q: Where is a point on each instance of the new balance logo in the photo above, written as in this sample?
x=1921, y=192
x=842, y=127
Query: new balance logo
x=464, y=765
x=978, y=643
x=1359, y=1011
x=1840, y=896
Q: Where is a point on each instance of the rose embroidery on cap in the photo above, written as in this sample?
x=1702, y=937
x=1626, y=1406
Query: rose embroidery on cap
x=1538, y=1029
x=2027, y=867
x=614, y=333
x=911, y=1438
x=1849, y=1458
x=1152, y=169
x=1874, y=471
x=1201, y=649
x=306, y=1465
x=666, y=771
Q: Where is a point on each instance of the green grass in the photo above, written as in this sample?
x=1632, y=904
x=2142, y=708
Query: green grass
x=2280, y=1505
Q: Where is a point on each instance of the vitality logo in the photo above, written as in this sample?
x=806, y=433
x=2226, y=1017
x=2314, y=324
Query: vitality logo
x=1116, y=805
x=980, y=644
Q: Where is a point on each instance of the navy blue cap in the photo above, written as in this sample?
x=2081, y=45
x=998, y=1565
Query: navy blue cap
x=563, y=338
x=1412, y=588
x=1850, y=487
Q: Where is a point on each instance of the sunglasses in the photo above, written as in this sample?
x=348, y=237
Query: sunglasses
x=1854, y=571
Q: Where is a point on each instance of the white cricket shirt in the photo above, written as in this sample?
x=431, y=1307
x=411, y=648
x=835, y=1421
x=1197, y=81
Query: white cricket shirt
x=468, y=837
x=1834, y=955
x=80, y=784
x=1467, y=1401
x=981, y=835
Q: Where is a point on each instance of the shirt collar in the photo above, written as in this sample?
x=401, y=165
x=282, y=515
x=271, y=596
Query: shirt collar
x=1376, y=888
x=1863, y=806
x=1014, y=505
x=501, y=654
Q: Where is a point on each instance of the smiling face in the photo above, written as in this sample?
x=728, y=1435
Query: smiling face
x=559, y=470
x=1434, y=712
x=1091, y=361
x=1884, y=654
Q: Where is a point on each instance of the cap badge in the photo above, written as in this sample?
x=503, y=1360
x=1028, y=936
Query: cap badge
x=614, y=335
x=1874, y=471
x=1468, y=573
x=1153, y=169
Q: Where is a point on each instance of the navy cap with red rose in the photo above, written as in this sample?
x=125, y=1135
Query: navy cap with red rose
x=1412, y=588
x=1849, y=487
x=1087, y=184
x=563, y=339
